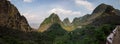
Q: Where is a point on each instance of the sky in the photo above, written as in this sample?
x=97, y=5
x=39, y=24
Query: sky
x=37, y=10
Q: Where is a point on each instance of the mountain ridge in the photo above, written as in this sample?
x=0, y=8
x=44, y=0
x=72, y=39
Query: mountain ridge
x=102, y=14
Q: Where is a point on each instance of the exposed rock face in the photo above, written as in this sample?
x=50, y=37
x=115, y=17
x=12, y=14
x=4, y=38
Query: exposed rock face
x=11, y=18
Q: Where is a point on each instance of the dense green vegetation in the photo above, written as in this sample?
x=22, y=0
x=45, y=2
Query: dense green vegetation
x=86, y=35
x=57, y=35
x=91, y=34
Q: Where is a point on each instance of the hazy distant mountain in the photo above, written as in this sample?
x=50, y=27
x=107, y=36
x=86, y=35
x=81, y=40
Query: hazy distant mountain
x=11, y=18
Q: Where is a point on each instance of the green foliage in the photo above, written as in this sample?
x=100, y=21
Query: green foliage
x=89, y=35
x=57, y=35
x=52, y=18
x=46, y=21
x=103, y=31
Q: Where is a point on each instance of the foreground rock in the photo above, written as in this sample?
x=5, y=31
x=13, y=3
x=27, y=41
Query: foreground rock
x=11, y=18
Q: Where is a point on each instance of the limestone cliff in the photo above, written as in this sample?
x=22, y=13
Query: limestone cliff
x=11, y=18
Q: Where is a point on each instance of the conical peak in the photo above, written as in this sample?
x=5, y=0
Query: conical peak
x=105, y=5
x=102, y=4
x=53, y=15
x=101, y=8
x=66, y=19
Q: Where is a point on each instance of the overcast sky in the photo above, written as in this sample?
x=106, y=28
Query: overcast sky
x=37, y=10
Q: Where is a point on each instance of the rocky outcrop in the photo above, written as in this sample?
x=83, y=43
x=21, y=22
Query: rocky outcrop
x=11, y=18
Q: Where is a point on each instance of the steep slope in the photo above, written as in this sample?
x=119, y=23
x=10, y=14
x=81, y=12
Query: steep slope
x=89, y=18
x=53, y=32
x=103, y=14
x=67, y=25
x=117, y=12
x=66, y=22
x=53, y=18
x=11, y=18
x=78, y=22
x=99, y=9
x=108, y=16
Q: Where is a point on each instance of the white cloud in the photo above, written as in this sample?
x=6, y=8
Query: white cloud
x=8, y=0
x=33, y=19
x=85, y=3
x=64, y=11
x=27, y=1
